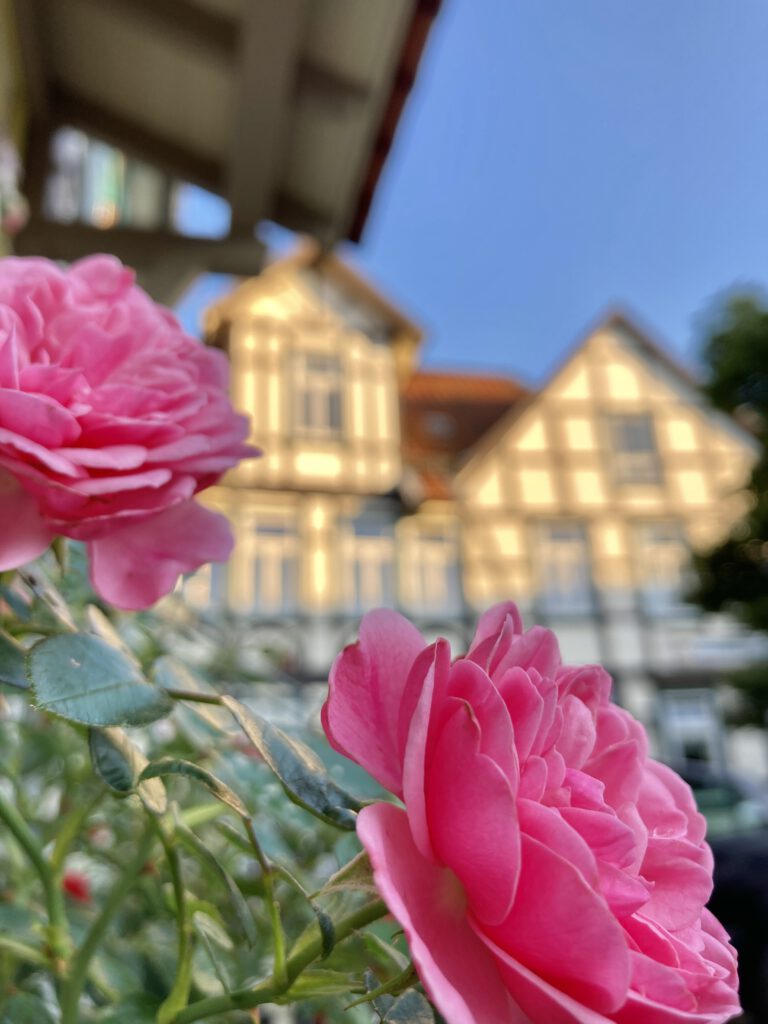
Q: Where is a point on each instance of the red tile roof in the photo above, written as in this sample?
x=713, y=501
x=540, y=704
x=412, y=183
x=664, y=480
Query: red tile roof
x=443, y=414
x=428, y=385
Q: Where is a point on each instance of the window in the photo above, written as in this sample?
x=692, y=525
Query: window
x=206, y=590
x=275, y=568
x=433, y=577
x=634, y=454
x=661, y=558
x=318, y=393
x=369, y=563
x=564, y=571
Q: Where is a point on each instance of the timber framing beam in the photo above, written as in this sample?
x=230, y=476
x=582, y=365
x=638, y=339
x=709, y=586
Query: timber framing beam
x=28, y=22
x=183, y=22
x=270, y=45
x=218, y=37
x=140, y=249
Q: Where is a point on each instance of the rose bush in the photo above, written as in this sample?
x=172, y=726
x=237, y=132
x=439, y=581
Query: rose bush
x=111, y=420
x=544, y=868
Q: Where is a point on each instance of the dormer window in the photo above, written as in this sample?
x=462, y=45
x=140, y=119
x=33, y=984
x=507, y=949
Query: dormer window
x=318, y=393
x=634, y=455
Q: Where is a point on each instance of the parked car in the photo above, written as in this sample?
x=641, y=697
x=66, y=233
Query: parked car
x=731, y=804
x=737, y=818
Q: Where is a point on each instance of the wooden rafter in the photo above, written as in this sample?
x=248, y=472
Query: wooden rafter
x=269, y=47
x=139, y=248
x=29, y=30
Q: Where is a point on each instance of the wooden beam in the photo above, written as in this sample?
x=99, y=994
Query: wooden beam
x=216, y=36
x=28, y=22
x=298, y=216
x=270, y=42
x=140, y=249
x=36, y=163
x=317, y=82
x=182, y=22
x=132, y=137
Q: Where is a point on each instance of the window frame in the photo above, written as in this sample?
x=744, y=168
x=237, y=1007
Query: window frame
x=318, y=394
x=583, y=603
x=630, y=465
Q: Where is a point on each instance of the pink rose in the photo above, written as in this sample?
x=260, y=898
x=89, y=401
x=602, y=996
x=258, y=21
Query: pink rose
x=111, y=420
x=544, y=869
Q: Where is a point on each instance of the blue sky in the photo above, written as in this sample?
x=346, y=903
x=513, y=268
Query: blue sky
x=560, y=156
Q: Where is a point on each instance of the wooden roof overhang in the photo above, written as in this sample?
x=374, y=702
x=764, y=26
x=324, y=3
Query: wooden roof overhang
x=287, y=108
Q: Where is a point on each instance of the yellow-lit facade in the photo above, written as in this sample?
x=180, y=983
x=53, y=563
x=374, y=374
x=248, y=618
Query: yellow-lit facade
x=582, y=502
x=320, y=524
x=585, y=506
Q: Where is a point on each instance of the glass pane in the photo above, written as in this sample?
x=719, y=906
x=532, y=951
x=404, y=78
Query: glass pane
x=565, y=579
x=662, y=558
x=633, y=447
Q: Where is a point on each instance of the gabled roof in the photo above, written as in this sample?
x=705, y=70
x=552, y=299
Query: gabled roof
x=615, y=317
x=645, y=338
x=309, y=257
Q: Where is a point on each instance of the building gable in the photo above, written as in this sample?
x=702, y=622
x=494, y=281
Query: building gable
x=314, y=365
x=618, y=437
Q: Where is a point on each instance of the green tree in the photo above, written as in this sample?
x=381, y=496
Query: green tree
x=734, y=576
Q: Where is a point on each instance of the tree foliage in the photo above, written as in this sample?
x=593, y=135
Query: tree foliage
x=733, y=576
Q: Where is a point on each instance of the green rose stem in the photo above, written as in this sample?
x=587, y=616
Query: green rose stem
x=58, y=932
x=73, y=986
x=179, y=994
x=70, y=829
x=268, y=873
x=268, y=990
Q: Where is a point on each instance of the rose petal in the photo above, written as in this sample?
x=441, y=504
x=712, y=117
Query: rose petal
x=23, y=535
x=472, y=817
x=563, y=930
x=458, y=972
x=136, y=565
x=367, y=680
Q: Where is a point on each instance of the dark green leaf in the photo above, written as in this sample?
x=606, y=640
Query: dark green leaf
x=410, y=1008
x=298, y=768
x=177, y=766
x=84, y=679
x=119, y=762
x=381, y=1003
x=383, y=995
x=118, y=765
x=12, y=663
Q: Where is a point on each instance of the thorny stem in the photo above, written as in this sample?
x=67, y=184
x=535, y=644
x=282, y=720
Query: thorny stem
x=179, y=993
x=266, y=991
x=58, y=931
x=268, y=874
x=74, y=984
